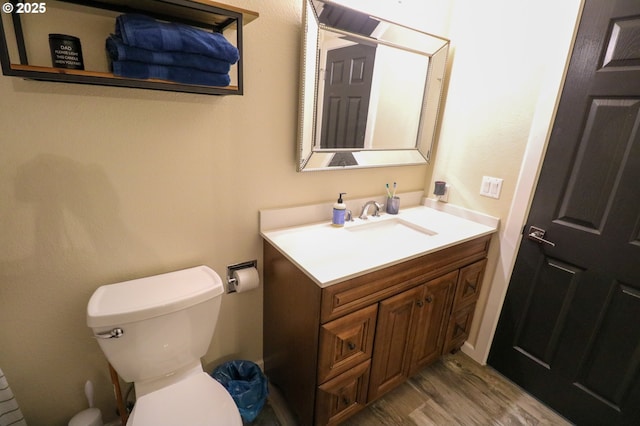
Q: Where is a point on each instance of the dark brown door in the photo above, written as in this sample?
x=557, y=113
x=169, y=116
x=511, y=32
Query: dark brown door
x=569, y=330
x=347, y=91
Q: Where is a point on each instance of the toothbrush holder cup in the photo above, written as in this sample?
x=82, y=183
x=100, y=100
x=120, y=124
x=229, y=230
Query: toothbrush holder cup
x=393, y=205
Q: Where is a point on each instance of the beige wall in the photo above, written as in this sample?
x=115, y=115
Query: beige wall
x=508, y=58
x=103, y=184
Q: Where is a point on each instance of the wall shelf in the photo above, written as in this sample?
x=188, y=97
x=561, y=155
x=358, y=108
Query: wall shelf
x=209, y=15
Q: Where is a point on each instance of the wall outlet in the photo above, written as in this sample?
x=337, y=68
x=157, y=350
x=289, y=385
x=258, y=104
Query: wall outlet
x=491, y=187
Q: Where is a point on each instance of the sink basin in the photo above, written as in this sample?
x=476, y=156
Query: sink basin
x=394, y=233
x=390, y=231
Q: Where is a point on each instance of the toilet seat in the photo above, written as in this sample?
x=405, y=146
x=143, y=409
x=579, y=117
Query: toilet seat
x=197, y=400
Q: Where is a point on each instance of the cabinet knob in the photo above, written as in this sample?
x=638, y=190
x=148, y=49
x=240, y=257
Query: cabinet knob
x=351, y=346
x=429, y=299
x=420, y=303
x=345, y=400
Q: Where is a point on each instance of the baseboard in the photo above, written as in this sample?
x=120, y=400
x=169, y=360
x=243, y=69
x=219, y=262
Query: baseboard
x=470, y=350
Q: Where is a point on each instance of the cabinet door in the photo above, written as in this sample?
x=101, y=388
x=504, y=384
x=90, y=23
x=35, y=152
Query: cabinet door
x=430, y=324
x=392, y=349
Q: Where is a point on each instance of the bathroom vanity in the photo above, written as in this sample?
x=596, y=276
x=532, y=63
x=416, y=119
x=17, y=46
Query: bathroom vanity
x=345, y=326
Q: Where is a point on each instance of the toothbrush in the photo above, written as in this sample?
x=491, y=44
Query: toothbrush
x=388, y=193
x=395, y=185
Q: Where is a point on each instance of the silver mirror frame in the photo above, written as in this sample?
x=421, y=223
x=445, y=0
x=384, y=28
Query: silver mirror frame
x=310, y=159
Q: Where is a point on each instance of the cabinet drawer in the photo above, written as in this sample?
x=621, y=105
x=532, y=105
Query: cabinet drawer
x=458, y=329
x=351, y=295
x=346, y=342
x=342, y=396
x=469, y=283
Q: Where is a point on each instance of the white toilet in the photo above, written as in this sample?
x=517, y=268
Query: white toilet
x=154, y=331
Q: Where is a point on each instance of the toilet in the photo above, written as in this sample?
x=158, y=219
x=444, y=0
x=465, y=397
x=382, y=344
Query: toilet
x=154, y=331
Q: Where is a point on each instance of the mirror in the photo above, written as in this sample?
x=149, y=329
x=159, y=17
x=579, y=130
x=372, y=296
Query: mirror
x=370, y=90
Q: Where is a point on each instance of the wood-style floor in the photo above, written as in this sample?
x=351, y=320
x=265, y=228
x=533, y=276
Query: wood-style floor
x=453, y=391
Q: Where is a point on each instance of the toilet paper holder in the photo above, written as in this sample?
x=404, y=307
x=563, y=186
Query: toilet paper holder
x=231, y=281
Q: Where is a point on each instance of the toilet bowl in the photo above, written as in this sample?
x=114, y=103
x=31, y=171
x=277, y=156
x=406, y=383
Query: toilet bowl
x=154, y=331
x=194, y=397
x=88, y=417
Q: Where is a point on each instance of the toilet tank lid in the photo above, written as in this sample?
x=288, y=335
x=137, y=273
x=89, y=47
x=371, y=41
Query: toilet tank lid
x=148, y=297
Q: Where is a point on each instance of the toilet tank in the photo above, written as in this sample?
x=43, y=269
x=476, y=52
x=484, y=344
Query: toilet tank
x=167, y=321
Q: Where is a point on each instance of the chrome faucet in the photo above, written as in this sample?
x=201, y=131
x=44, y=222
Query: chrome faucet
x=348, y=216
x=365, y=209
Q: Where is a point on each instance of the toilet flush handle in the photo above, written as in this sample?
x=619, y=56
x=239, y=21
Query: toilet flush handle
x=113, y=334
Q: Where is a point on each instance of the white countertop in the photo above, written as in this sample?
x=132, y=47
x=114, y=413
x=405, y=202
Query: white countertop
x=329, y=254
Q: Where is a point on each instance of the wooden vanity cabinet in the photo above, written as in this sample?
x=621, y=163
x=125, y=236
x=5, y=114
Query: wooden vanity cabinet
x=333, y=350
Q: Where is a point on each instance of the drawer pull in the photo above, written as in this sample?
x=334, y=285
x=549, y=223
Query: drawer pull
x=429, y=299
x=420, y=303
x=345, y=400
x=351, y=346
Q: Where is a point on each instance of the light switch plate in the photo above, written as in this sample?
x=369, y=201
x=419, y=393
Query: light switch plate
x=491, y=187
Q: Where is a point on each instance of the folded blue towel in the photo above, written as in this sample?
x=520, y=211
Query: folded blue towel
x=118, y=51
x=147, y=33
x=132, y=69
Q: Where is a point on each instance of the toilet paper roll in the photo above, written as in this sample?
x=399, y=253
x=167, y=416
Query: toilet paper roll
x=246, y=279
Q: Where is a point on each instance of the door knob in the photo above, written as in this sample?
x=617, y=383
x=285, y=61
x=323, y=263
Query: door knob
x=537, y=234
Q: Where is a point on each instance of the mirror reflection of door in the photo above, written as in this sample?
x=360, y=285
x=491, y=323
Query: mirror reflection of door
x=348, y=75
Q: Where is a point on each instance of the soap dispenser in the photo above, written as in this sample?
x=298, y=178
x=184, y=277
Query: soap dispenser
x=339, y=210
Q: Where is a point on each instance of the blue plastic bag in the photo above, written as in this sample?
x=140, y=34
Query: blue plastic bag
x=247, y=385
